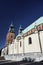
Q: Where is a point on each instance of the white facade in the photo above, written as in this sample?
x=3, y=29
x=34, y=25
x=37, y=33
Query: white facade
x=34, y=47
x=22, y=45
x=41, y=37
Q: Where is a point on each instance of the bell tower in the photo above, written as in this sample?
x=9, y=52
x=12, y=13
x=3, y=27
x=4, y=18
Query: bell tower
x=10, y=35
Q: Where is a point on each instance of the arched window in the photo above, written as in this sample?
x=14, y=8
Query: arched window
x=30, y=40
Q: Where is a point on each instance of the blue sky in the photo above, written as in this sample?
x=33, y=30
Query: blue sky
x=20, y=12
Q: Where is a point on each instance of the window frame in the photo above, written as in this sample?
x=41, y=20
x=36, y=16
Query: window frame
x=29, y=40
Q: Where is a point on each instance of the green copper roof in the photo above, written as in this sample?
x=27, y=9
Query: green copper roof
x=37, y=22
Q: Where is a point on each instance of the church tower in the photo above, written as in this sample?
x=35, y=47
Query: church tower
x=10, y=35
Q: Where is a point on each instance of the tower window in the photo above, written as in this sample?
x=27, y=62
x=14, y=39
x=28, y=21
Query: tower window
x=20, y=44
x=30, y=40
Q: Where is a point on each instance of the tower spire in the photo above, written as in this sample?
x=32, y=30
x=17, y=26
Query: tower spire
x=11, y=24
x=11, y=28
x=20, y=29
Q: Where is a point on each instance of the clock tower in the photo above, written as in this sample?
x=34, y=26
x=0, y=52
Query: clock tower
x=10, y=35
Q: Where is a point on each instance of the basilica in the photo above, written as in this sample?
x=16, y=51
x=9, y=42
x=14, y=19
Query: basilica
x=29, y=40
